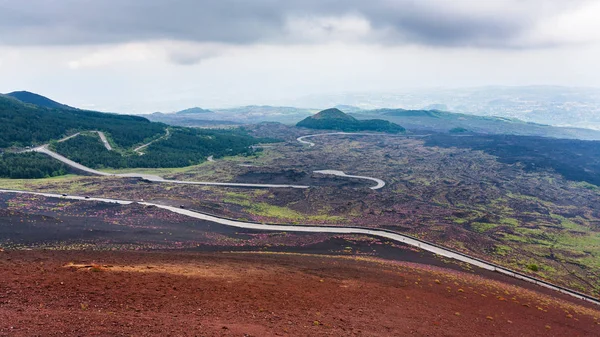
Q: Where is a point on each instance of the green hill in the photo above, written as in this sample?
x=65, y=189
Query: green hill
x=334, y=119
x=27, y=124
x=35, y=99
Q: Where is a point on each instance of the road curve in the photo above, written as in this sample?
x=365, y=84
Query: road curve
x=100, y=133
x=380, y=183
x=311, y=144
x=139, y=148
x=153, y=178
x=394, y=236
x=45, y=150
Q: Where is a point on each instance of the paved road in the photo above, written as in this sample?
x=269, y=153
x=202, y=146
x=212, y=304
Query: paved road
x=139, y=148
x=311, y=144
x=153, y=178
x=430, y=247
x=69, y=137
x=45, y=150
x=380, y=183
x=104, y=140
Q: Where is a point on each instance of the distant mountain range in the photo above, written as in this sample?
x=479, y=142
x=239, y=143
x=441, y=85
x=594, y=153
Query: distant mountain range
x=334, y=119
x=242, y=115
x=550, y=105
x=443, y=121
x=427, y=119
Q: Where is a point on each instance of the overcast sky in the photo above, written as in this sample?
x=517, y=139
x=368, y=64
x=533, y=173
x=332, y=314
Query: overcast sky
x=159, y=55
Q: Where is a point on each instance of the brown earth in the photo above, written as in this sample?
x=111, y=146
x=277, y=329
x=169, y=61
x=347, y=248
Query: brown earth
x=75, y=293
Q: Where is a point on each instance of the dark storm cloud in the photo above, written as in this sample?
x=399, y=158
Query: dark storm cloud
x=68, y=22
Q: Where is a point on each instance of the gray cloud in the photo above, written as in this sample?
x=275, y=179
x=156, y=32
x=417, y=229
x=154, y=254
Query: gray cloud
x=436, y=23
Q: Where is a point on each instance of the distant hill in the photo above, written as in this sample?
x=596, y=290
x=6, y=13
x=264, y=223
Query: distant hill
x=191, y=111
x=334, y=119
x=39, y=100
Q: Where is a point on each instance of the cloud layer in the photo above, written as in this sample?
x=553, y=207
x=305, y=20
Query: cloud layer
x=471, y=23
x=149, y=55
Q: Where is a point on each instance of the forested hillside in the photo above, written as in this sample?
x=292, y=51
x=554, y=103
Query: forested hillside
x=29, y=165
x=25, y=124
x=184, y=147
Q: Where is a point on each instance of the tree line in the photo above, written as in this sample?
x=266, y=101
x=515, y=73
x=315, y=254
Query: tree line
x=30, y=165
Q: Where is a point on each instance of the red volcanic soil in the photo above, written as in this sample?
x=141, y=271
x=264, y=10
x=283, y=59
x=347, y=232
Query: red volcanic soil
x=81, y=293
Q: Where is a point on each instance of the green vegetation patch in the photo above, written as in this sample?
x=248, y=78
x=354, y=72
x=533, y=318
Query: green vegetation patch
x=481, y=227
x=502, y=250
x=510, y=221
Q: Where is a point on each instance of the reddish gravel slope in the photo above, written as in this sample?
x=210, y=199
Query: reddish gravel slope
x=54, y=293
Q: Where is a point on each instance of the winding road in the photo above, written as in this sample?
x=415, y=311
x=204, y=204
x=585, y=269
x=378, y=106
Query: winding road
x=45, y=150
x=394, y=236
x=153, y=178
x=398, y=237
x=311, y=144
